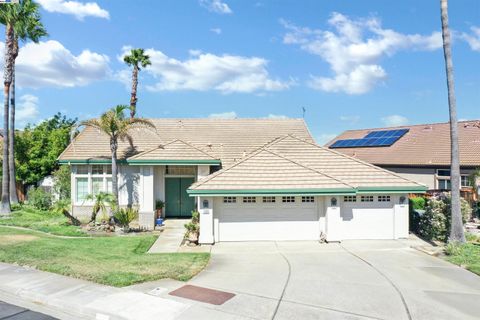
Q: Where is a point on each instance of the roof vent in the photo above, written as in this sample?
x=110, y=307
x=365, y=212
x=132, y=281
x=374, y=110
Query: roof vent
x=427, y=128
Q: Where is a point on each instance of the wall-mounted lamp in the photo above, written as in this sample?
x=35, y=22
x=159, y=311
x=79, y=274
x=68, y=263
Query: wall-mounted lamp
x=205, y=204
x=333, y=202
x=403, y=200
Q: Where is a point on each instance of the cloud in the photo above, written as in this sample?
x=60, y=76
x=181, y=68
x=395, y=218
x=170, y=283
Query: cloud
x=216, y=30
x=325, y=138
x=26, y=110
x=216, y=6
x=50, y=64
x=207, y=71
x=472, y=39
x=351, y=119
x=224, y=115
x=276, y=116
x=395, y=120
x=353, y=48
x=78, y=9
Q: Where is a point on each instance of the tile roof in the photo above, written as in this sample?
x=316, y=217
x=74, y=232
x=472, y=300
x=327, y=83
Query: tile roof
x=423, y=145
x=174, y=150
x=225, y=139
x=296, y=164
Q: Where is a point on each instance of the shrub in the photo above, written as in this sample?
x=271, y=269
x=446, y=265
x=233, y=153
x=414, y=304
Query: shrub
x=39, y=198
x=62, y=182
x=435, y=223
x=417, y=203
x=124, y=216
x=452, y=249
x=193, y=228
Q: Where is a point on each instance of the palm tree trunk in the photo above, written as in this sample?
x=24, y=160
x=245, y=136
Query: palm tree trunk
x=11, y=144
x=456, y=232
x=7, y=74
x=113, y=148
x=133, y=97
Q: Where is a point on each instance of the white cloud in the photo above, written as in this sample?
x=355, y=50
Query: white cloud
x=395, y=120
x=351, y=119
x=207, y=71
x=224, y=115
x=51, y=64
x=216, y=30
x=325, y=137
x=78, y=9
x=276, y=116
x=353, y=49
x=26, y=110
x=216, y=6
x=472, y=39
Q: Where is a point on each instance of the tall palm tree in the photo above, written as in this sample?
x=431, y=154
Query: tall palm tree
x=136, y=58
x=28, y=26
x=114, y=124
x=456, y=233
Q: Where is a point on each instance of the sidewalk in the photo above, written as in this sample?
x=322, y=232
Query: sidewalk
x=171, y=238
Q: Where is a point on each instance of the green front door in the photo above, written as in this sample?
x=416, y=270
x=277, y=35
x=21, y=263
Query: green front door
x=177, y=201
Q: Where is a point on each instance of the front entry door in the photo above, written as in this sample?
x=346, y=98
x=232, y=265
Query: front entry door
x=177, y=201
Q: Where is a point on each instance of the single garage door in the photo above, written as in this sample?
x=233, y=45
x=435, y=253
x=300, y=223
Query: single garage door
x=367, y=219
x=255, y=219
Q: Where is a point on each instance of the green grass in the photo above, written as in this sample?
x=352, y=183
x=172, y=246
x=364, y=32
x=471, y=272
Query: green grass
x=116, y=261
x=45, y=221
x=466, y=255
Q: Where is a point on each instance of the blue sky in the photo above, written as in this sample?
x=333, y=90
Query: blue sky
x=351, y=64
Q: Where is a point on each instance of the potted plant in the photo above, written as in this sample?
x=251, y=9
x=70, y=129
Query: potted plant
x=159, y=205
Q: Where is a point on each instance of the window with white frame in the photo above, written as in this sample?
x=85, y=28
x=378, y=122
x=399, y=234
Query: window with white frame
x=308, y=199
x=288, y=199
x=81, y=185
x=444, y=182
x=180, y=170
x=384, y=199
x=465, y=181
x=229, y=199
x=268, y=200
x=249, y=199
x=366, y=198
x=350, y=199
x=92, y=180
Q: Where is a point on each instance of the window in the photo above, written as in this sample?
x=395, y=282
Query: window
x=444, y=184
x=308, y=199
x=268, y=199
x=214, y=169
x=229, y=199
x=288, y=199
x=383, y=198
x=82, y=188
x=82, y=169
x=350, y=199
x=97, y=185
x=443, y=173
x=109, y=169
x=366, y=198
x=109, y=185
x=465, y=181
x=249, y=199
x=96, y=169
x=180, y=170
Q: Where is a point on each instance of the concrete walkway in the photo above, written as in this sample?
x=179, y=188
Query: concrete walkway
x=171, y=238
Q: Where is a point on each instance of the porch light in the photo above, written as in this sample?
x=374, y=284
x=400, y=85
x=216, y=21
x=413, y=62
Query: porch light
x=402, y=200
x=205, y=204
x=333, y=202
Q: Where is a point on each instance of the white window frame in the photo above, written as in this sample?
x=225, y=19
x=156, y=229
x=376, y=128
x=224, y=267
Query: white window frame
x=308, y=199
x=349, y=198
x=249, y=199
x=288, y=199
x=229, y=200
x=384, y=198
x=366, y=198
x=90, y=176
x=439, y=178
x=269, y=199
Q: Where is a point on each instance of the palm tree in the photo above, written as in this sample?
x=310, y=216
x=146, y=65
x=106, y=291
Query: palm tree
x=456, y=233
x=114, y=124
x=100, y=202
x=63, y=206
x=27, y=27
x=136, y=59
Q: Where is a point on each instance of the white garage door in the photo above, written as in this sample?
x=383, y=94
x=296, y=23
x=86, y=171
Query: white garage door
x=260, y=221
x=367, y=220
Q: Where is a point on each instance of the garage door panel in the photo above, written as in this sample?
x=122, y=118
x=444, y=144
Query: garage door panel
x=361, y=221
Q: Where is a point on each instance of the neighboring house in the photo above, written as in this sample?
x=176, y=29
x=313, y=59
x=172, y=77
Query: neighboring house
x=250, y=179
x=417, y=152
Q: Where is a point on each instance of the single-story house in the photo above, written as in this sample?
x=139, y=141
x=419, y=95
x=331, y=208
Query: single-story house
x=417, y=152
x=250, y=179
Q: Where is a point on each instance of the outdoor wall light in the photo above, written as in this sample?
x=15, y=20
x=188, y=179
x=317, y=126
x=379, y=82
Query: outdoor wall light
x=333, y=202
x=205, y=204
x=403, y=200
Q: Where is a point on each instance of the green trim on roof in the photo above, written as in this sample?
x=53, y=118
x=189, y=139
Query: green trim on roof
x=89, y=161
x=387, y=189
x=267, y=192
x=174, y=162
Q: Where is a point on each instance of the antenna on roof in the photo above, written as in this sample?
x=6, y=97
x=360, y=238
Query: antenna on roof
x=303, y=112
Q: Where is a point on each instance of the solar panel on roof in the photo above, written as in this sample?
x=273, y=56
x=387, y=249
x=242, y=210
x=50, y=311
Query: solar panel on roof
x=380, y=138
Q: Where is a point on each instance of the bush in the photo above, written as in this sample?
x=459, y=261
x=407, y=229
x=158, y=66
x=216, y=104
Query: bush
x=39, y=199
x=435, y=223
x=62, y=182
x=417, y=203
x=452, y=249
x=124, y=216
x=193, y=227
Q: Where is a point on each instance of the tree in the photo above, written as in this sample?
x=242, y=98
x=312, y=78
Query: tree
x=62, y=184
x=456, y=232
x=28, y=26
x=100, y=202
x=114, y=124
x=38, y=147
x=63, y=206
x=136, y=58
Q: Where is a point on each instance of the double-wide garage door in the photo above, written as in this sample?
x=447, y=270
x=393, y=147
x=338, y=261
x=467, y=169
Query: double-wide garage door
x=266, y=221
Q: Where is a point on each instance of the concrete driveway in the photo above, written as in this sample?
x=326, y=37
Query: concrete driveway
x=352, y=280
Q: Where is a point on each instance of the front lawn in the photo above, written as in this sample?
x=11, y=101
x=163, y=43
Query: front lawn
x=465, y=255
x=116, y=261
x=45, y=221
